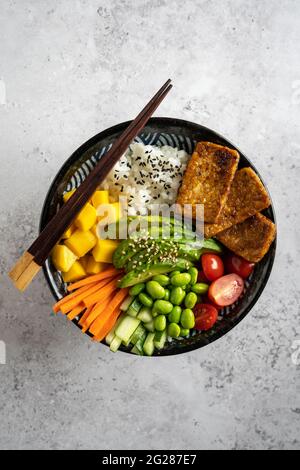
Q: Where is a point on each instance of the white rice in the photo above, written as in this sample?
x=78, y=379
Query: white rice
x=147, y=175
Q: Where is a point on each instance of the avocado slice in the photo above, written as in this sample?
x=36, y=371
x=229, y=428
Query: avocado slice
x=147, y=271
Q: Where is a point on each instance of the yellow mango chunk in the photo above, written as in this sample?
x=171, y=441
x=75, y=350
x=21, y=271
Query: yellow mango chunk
x=104, y=250
x=63, y=258
x=68, y=194
x=75, y=273
x=100, y=197
x=95, y=267
x=110, y=214
x=86, y=218
x=84, y=260
x=81, y=242
x=67, y=233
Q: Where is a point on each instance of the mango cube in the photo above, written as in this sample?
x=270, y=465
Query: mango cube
x=84, y=261
x=68, y=232
x=104, y=250
x=94, y=267
x=68, y=194
x=63, y=258
x=81, y=242
x=86, y=218
x=75, y=273
x=110, y=214
x=100, y=197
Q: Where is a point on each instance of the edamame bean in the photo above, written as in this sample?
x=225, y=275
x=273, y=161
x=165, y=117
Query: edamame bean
x=162, y=279
x=174, y=316
x=162, y=306
x=160, y=323
x=145, y=299
x=184, y=332
x=173, y=273
x=173, y=330
x=135, y=290
x=177, y=295
x=181, y=279
x=190, y=300
x=187, y=318
x=200, y=288
x=193, y=272
x=155, y=290
x=167, y=295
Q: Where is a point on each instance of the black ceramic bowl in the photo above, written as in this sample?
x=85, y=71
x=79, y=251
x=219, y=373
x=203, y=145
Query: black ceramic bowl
x=159, y=131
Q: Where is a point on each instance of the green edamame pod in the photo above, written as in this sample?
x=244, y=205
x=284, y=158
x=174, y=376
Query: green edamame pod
x=162, y=306
x=174, y=316
x=162, y=279
x=193, y=272
x=160, y=323
x=167, y=295
x=181, y=279
x=135, y=290
x=145, y=299
x=200, y=288
x=173, y=273
x=173, y=330
x=190, y=300
x=177, y=295
x=184, y=332
x=155, y=290
x=187, y=318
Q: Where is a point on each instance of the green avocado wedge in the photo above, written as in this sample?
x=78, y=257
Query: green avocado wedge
x=140, y=275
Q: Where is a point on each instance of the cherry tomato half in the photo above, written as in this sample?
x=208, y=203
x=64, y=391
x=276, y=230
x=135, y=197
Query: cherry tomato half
x=212, y=265
x=226, y=290
x=238, y=265
x=205, y=316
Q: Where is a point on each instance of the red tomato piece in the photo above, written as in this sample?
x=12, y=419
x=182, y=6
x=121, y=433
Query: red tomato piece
x=205, y=316
x=226, y=290
x=212, y=265
x=202, y=278
x=238, y=265
x=206, y=300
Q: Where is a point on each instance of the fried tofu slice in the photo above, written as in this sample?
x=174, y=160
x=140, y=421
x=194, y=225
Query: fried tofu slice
x=247, y=196
x=250, y=239
x=207, y=179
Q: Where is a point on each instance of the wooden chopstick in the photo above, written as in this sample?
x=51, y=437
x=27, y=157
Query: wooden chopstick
x=31, y=261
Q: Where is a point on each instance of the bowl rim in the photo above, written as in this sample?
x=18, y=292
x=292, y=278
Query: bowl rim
x=168, y=121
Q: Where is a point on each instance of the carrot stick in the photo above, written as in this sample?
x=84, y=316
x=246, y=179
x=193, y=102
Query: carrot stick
x=110, y=272
x=69, y=304
x=108, y=325
x=97, y=310
x=85, y=315
x=101, y=293
x=98, y=324
x=56, y=307
x=75, y=311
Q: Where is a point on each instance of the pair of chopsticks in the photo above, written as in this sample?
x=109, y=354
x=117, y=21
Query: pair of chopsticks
x=31, y=261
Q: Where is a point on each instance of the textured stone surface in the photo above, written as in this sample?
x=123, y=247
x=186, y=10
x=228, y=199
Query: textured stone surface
x=69, y=69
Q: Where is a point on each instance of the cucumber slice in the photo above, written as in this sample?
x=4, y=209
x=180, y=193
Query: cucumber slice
x=150, y=326
x=111, y=334
x=160, y=338
x=126, y=328
x=139, y=333
x=134, y=308
x=137, y=351
x=149, y=344
x=115, y=344
x=145, y=315
x=125, y=305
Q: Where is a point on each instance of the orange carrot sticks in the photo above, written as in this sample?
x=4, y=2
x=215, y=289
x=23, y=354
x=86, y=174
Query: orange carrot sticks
x=101, y=293
x=108, y=325
x=76, y=311
x=85, y=315
x=98, y=324
x=110, y=272
x=56, y=307
x=97, y=310
x=69, y=304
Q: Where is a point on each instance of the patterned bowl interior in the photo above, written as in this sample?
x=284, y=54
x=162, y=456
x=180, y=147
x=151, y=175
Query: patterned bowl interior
x=159, y=131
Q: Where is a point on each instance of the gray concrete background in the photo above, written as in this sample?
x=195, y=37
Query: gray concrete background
x=72, y=68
